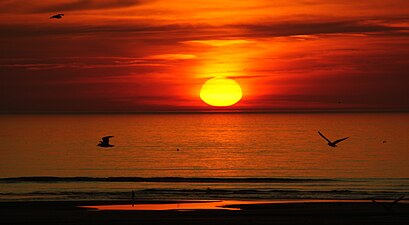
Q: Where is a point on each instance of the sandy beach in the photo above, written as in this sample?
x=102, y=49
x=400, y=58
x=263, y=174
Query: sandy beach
x=283, y=213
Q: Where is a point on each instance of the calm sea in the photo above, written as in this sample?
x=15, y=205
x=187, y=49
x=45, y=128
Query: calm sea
x=237, y=156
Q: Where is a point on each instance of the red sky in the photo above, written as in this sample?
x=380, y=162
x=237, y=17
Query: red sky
x=141, y=55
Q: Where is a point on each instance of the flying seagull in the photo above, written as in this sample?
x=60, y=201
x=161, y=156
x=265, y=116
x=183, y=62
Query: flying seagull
x=390, y=205
x=58, y=16
x=330, y=143
x=105, y=142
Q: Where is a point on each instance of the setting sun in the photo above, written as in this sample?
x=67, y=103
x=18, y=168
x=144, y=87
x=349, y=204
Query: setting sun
x=221, y=91
x=172, y=107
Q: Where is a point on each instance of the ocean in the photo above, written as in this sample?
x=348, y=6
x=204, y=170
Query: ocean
x=204, y=156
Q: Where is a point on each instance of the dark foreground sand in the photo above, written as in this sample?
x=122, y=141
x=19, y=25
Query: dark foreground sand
x=295, y=213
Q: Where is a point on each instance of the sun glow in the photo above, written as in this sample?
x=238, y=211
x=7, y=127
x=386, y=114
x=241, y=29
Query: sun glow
x=221, y=91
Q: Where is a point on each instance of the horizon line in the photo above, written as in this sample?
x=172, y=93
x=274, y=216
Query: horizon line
x=293, y=111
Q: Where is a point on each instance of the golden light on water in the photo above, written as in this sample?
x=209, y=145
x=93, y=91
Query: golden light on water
x=221, y=91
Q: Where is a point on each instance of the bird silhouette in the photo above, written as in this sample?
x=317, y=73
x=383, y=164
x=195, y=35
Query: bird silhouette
x=330, y=143
x=58, y=16
x=105, y=142
x=389, y=205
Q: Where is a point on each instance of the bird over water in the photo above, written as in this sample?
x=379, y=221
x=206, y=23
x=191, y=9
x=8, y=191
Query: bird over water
x=58, y=16
x=332, y=143
x=105, y=142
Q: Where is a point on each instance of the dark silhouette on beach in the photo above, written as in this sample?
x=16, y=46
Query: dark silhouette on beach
x=58, y=16
x=105, y=142
x=133, y=198
x=389, y=205
x=330, y=143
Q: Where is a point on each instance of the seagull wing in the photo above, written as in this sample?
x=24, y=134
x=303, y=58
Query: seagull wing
x=106, y=139
x=339, y=140
x=324, y=137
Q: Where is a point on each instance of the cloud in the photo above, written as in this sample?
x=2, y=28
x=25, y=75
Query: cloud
x=46, y=6
x=93, y=62
x=180, y=32
x=172, y=57
x=315, y=28
x=219, y=36
x=218, y=43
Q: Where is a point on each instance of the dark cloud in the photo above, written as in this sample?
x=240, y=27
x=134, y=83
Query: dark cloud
x=23, y=6
x=88, y=62
x=315, y=28
x=185, y=32
x=179, y=32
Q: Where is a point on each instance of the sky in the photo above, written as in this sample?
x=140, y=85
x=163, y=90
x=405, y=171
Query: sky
x=154, y=55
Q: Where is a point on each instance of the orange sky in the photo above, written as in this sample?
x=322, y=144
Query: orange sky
x=154, y=55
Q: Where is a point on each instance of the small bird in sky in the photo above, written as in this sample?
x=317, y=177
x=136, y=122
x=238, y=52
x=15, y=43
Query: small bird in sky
x=105, y=142
x=330, y=143
x=58, y=16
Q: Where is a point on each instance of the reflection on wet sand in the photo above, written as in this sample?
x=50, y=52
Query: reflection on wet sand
x=209, y=204
x=182, y=206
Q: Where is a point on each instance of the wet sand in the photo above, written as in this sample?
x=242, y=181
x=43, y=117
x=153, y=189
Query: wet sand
x=316, y=213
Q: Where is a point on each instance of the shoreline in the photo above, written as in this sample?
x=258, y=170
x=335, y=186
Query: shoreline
x=318, y=212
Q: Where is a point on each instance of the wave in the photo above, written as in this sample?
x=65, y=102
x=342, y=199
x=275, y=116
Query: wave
x=189, y=194
x=108, y=188
x=49, y=179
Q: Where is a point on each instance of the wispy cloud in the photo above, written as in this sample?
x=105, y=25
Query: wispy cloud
x=93, y=62
x=208, y=34
x=172, y=57
x=316, y=28
x=219, y=43
x=47, y=6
